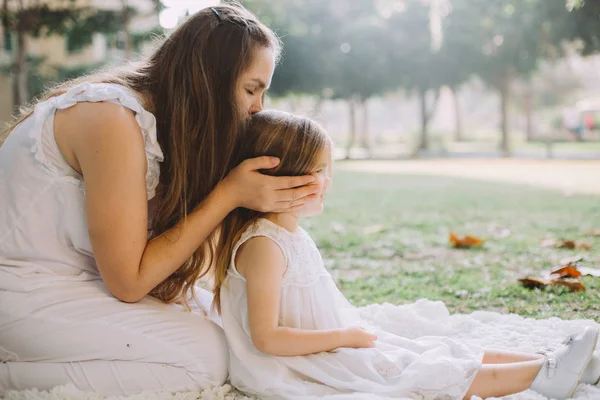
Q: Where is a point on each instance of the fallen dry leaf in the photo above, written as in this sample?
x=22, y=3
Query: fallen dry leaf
x=573, y=244
x=532, y=283
x=373, y=229
x=583, y=246
x=565, y=244
x=464, y=242
x=572, y=284
x=567, y=271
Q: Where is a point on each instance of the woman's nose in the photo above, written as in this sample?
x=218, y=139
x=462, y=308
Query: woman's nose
x=256, y=107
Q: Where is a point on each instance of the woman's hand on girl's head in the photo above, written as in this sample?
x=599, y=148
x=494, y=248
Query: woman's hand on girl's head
x=246, y=187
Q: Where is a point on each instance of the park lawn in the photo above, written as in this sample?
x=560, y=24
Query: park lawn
x=411, y=259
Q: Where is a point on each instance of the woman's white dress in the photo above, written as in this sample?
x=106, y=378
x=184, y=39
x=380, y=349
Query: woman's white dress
x=426, y=367
x=59, y=324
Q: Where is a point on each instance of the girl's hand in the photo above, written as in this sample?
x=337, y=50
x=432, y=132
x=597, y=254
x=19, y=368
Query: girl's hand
x=357, y=338
x=248, y=188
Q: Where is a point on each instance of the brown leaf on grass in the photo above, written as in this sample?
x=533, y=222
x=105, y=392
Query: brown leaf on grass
x=464, y=242
x=567, y=271
x=532, y=283
x=565, y=244
x=373, y=229
x=572, y=284
x=573, y=244
x=572, y=270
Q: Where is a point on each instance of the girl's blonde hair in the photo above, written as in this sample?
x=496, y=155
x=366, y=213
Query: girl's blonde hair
x=189, y=84
x=298, y=142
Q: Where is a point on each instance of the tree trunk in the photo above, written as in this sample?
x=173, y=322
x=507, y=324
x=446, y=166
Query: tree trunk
x=5, y=21
x=20, y=92
x=317, y=107
x=128, y=44
x=294, y=103
x=424, y=139
x=426, y=114
x=504, y=99
x=351, y=126
x=366, y=143
x=125, y=21
x=528, y=108
x=458, y=133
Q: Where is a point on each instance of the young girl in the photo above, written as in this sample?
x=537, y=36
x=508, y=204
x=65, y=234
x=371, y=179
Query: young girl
x=292, y=333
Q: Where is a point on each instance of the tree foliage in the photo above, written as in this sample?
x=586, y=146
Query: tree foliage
x=23, y=19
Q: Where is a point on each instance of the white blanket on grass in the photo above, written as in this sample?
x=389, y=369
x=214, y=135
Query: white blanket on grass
x=487, y=329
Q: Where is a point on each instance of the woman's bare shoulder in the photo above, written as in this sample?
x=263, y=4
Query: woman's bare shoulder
x=95, y=124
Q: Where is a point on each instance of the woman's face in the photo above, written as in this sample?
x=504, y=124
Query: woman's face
x=255, y=81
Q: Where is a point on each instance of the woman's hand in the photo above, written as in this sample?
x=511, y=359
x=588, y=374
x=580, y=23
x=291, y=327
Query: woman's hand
x=357, y=338
x=248, y=188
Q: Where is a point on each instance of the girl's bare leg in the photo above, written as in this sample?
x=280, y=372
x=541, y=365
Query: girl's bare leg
x=496, y=380
x=495, y=356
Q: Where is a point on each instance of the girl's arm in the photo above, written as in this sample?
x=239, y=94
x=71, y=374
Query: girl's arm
x=104, y=143
x=262, y=263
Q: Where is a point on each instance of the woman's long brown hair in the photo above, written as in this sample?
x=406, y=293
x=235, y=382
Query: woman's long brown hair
x=189, y=84
x=297, y=142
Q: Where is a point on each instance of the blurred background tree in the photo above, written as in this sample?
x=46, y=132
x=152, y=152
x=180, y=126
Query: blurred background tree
x=381, y=74
x=77, y=22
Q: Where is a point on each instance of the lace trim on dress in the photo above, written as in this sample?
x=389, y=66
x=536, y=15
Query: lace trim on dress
x=87, y=92
x=258, y=229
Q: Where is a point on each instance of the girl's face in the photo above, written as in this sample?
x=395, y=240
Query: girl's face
x=254, y=82
x=322, y=173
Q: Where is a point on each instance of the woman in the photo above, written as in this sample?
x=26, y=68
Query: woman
x=110, y=191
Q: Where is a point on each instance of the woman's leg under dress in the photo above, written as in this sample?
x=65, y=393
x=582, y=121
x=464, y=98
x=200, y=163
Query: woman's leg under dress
x=79, y=333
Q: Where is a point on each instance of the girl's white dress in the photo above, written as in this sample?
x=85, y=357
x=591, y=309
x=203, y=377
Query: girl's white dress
x=400, y=366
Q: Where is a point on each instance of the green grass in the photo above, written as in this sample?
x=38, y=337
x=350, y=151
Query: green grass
x=411, y=258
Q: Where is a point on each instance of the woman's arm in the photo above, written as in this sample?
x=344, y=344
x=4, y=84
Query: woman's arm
x=104, y=142
x=261, y=262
